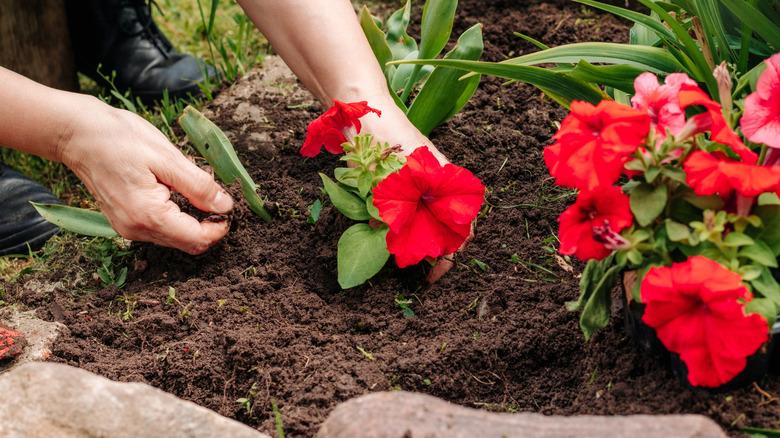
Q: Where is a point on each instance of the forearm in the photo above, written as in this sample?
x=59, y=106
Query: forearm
x=322, y=42
x=34, y=118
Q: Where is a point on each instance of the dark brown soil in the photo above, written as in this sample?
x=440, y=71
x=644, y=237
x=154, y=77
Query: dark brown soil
x=262, y=317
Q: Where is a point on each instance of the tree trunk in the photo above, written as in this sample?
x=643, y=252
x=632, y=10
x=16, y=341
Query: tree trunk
x=34, y=42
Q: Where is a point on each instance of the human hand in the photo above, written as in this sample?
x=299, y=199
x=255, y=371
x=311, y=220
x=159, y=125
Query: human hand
x=395, y=128
x=131, y=167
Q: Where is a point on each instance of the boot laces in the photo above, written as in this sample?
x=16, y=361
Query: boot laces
x=148, y=29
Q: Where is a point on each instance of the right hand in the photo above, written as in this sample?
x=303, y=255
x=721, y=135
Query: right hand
x=130, y=167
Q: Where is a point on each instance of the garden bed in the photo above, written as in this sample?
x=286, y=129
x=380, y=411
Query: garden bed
x=262, y=317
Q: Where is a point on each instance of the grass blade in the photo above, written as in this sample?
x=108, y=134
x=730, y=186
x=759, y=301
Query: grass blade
x=214, y=146
x=76, y=220
x=754, y=19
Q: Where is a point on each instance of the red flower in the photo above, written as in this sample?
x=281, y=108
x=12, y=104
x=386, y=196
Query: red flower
x=761, y=120
x=589, y=228
x=428, y=207
x=661, y=101
x=328, y=129
x=708, y=174
x=696, y=308
x=594, y=143
x=712, y=120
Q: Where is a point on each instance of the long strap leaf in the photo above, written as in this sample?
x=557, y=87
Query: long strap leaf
x=76, y=220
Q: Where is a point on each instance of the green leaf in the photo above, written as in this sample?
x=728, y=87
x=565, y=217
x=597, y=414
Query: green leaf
x=371, y=208
x=653, y=59
x=347, y=175
x=615, y=76
x=437, y=20
x=676, y=231
x=347, y=203
x=314, y=211
x=376, y=39
x=770, y=232
x=400, y=43
x=764, y=307
x=647, y=202
x=362, y=252
x=595, y=313
x=76, y=220
x=704, y=202
x=215, y=147
x=756, y=20
x=364, y=183
x=767, y=286
x=539, y=45
x=403, y=73
x=590, y=276
x=444, y=91
x=759, y=252
x=567, y=87
x=647, y=22
x=735, y=240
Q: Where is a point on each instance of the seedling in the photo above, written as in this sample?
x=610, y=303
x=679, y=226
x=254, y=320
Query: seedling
x=248, y=402
x=405, y=305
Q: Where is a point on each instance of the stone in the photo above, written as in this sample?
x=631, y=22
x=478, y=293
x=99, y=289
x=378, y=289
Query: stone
x=39, y=335
x=56, y=400
x=411, y=415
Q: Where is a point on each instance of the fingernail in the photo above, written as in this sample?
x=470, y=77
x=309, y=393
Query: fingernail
x=222, y=202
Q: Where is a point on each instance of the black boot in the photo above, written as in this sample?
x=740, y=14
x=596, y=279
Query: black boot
x=120, y=36
x=20, y=225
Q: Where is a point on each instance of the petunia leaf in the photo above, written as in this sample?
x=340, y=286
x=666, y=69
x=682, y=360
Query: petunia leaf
x=371, y=208
x=764, y=307
x=595, y=313
x=767, y=286
x=647, y=202
x=770, y=232
x=759, y=252
x=735, y=239
x=676, y=231
x=362, y=252
x=347, y=203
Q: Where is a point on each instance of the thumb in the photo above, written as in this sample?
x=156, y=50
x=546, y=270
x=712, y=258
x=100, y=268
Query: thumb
x=197, y=185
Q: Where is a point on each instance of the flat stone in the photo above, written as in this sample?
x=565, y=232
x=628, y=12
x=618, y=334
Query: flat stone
x=40, y=336
x=55, y=400
x=411, y=415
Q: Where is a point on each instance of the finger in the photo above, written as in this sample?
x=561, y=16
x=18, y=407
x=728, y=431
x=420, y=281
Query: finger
x=179, y=230
x=195, y=184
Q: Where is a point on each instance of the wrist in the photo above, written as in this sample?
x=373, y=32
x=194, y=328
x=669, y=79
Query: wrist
x=74, y=124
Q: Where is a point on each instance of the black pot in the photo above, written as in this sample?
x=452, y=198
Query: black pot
x=766, y=360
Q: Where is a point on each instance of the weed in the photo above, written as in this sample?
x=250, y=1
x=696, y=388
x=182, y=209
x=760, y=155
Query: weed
x=277, y=420
x=248, y=402
x=314, y=212
x=129, y=302
x=184, y=311
x=479, y=264
x=405, y=305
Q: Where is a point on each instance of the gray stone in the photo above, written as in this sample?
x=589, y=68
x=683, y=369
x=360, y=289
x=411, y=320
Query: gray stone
x=410, y=415
x=40, y=335
x=55, y=400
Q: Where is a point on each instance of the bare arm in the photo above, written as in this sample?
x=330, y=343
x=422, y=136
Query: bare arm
x=322, y=42
x=125, y=162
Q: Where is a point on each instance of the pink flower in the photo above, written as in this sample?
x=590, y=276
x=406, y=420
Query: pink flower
x=761, y=120
x=661, y=101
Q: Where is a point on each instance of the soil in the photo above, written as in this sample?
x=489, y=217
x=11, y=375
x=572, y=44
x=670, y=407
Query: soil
x=261, y=316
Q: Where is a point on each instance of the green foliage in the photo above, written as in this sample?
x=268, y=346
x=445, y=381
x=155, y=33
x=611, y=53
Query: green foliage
x=346, y=202
x=442, y=93
x=690, y=36
x=215, y=147
x=362, y=253
x=76, y=220
x=648, y=202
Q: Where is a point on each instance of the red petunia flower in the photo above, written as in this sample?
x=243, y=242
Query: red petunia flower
x=329, y=129
x=713, y=121
x=761, y=120
x=708, y=174
x=428, y=207
x=589, y=228
x=696, y=308
x=661, y=101
x=594, y=143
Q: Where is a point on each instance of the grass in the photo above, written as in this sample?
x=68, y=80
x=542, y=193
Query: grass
x=226, y=39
